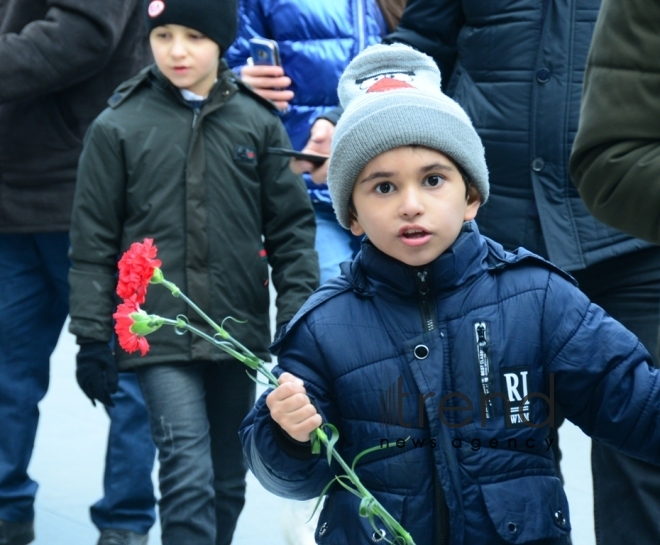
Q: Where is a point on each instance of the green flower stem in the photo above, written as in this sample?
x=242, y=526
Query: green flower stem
x=244, y=355
x=378, y=509
x=260, y=364
x=221, y=331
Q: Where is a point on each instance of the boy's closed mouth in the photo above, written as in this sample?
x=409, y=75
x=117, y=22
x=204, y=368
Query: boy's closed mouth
x=414, y=235
x=180, y=69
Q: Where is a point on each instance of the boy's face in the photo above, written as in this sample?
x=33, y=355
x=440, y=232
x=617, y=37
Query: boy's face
x=411, y=203
x=186, y=57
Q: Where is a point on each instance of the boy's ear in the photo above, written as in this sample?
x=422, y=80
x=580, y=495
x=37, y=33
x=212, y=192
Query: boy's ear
x=356, y=228
x=473, y=203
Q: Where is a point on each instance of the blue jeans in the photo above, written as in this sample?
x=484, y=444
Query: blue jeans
x=129, y=501
x=334, y=244
x=34, y=297
x=195, y=411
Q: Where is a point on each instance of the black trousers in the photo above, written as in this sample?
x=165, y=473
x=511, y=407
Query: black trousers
x=626, y=490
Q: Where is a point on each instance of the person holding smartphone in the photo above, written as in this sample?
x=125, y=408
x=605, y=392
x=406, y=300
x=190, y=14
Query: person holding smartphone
x=315, y=42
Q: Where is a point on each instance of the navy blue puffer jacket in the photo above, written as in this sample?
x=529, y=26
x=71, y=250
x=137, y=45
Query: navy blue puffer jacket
x=516, y=67
x=457, y=356
x=317, y=40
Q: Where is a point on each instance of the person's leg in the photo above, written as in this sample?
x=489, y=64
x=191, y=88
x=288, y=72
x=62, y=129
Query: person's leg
x=175, y=399
x=628, y=288
x=33, y=308
x=334, y=244
x=128, y=502
x=230, y=395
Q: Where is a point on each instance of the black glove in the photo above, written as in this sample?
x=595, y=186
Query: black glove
x=96, y=371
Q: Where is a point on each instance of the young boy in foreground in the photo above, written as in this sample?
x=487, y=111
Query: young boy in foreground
x=180, y=156
x=436, y=335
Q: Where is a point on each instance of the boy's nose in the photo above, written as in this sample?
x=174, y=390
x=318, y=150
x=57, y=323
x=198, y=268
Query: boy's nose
x=411, y=203
x=178, y=49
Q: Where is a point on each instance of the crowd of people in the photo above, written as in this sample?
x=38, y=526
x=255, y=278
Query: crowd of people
x=479, y=258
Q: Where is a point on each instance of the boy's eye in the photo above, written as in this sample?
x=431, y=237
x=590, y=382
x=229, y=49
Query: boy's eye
x=197, y=36
x=433, y=181
x=384, y=187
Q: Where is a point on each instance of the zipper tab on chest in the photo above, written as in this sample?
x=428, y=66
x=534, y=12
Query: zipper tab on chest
x=425, y=300
x=483, y=359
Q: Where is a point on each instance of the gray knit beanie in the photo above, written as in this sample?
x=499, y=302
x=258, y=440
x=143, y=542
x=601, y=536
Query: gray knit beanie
x=392, y=98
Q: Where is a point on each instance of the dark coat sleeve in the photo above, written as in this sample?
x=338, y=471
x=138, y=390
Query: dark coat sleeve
x=289, y=228
x=432, y=26
x=602, y=376
x=96, y=228
x=615, y=162
x=73, y=41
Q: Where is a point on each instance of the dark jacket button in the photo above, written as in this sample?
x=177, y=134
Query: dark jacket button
x=538, y=164
x=560, y=519
x=512, y=527
x=421, y=352
x=543, y=75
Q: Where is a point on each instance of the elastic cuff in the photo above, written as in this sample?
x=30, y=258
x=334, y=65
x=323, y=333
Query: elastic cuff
x=295, y=449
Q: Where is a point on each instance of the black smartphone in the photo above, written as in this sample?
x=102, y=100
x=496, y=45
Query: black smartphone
x=312, y=158
x=264, y=51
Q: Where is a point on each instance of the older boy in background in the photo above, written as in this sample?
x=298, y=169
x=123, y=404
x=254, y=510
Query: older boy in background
x=180, y=156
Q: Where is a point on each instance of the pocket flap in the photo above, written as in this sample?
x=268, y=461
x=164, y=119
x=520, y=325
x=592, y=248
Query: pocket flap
x=528, y=508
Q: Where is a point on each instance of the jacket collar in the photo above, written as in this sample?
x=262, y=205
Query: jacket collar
x=220, y=92
x=375, y=272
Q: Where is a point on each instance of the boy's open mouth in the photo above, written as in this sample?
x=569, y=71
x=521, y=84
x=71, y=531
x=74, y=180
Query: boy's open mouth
x=413, y=233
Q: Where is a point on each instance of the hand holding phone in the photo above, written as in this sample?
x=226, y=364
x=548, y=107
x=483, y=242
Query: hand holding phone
x=319, y=143
x=264, y=52
x=267, y=80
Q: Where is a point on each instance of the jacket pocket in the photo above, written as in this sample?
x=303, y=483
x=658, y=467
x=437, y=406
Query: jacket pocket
x=527, y=509
x=341, y=523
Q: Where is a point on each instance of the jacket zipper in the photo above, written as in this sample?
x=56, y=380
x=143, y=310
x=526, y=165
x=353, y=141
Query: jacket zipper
x=195, y=116
x=360, y=14
x=427, y=311
x=425, y=302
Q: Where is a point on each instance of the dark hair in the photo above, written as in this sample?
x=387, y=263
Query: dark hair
x=392, y=12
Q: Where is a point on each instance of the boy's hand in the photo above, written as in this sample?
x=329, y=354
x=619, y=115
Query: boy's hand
x=269, y=82
x=291, y=408
x=319, y=143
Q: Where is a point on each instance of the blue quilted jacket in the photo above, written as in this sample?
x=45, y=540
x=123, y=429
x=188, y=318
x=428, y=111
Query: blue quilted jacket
x=516, y=67
x=467, y=357
x=317, y=40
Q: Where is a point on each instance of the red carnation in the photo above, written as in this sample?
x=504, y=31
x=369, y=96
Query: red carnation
x=136, y=268
x=126, y=319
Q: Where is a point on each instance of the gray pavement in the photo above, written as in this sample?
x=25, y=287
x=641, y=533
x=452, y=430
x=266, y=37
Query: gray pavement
x=70, y=449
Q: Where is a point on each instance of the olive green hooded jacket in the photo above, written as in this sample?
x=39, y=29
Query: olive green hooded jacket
x=615, y=162
x=219, y=208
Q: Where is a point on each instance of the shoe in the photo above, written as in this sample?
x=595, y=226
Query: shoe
x=16, y=533
x=114, y=536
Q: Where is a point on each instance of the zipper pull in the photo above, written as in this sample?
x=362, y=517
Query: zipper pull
x=422, y=282
x=195, y=116
x=481, y=336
